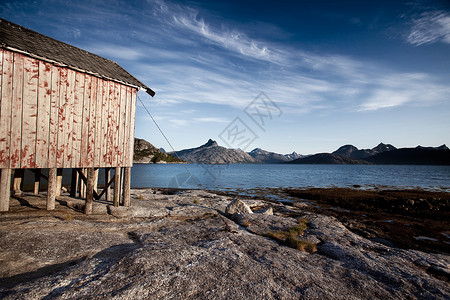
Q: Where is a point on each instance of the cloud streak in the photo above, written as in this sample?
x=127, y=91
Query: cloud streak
x=430, y=27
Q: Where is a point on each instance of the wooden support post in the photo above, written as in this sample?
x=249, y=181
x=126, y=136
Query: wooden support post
x=51, y=190
x=37, y=178
x=74, y=183
x=59, y=181
x=89, y=191
x=5, y=189
x=107, y=178
x=95, y=179
x=117, y=187
x=126, y=186
x=18, y=176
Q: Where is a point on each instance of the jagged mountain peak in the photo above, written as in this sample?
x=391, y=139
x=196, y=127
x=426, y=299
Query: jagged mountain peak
x=210, y=143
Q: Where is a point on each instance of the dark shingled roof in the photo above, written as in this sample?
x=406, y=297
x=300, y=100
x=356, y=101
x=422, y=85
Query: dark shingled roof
x=13, y=36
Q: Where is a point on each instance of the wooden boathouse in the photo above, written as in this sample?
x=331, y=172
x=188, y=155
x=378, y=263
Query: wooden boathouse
x=63, y=108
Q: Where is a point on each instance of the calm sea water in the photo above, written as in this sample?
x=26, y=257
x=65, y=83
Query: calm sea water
x=249, y=176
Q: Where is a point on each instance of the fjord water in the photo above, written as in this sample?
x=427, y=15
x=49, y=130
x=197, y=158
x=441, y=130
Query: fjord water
x=249, y=176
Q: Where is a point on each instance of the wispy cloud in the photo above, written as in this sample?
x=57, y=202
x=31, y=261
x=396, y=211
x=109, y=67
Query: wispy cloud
x=212, y=120
x=430, y=27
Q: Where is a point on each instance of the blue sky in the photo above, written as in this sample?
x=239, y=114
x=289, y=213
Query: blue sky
x=304, y=76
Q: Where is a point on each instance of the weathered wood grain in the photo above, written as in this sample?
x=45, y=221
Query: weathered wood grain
x=29, y=112
x=5, y=107
x=86, y=124
x=16, y=112
x=68, y=159
x=62, y=130
x=78, y=107
x=43, y=115
x=54, y=116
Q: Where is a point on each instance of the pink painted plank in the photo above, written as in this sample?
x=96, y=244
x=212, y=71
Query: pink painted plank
x=114, y=154
x=16, y=112
x=86, y=124
x=105, y=123
x=68, y=159
x=5, y=107
x=29, y=112
x=111, y=125
x=54, y=116
x=43, y=114
x=62, y=129
x=78, y=107
x=95, y=140
x=93, y=124
x=126, y=131
x=132, y=122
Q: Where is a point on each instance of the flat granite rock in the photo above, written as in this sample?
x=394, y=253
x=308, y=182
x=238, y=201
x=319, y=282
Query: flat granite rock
x=205, y=256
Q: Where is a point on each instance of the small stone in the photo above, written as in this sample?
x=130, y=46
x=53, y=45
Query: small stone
x=239, y=207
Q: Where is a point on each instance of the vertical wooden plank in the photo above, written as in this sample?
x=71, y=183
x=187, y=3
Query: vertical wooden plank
x=105, y=123
x=112, y=121
x=95, y=142
x=29, y=112
x=87, y=125
x=5, y=107
x=43, y=115
x=132, y=123
x=68, y=159
x=115, y=153
x=122, y=119
x=16, y=112
x=126, y=186
x=5, y=189
x=94, y=124
x=51, y=190
x=127, y=138
x=89, y=192
x=54, y=116
x=62, y=106
x=116, y=187
x=78, y=103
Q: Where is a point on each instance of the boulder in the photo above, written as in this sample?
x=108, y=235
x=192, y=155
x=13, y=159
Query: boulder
x=237, y=207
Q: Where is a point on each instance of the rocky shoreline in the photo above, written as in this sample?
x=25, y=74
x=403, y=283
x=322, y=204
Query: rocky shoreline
x=182, y=244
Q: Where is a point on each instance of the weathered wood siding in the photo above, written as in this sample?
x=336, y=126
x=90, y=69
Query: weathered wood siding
x=52, y=116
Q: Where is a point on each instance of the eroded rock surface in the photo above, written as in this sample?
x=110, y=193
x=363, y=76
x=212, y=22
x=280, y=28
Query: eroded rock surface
x=189, y=250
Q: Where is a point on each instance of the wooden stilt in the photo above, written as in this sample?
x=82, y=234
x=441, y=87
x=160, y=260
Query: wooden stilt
x=89, y=191
x=5, y=189
x=59, y=181
x=37, y=178
x=126, y=186
x=18, y=175
x=83, y=185
x=117, y=187
x=107, y=178
x=74, y=183
x=95, y=179
x=51, y=190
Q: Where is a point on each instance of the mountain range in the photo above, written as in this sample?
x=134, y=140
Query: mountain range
x=212, y=153
x=383, y=154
